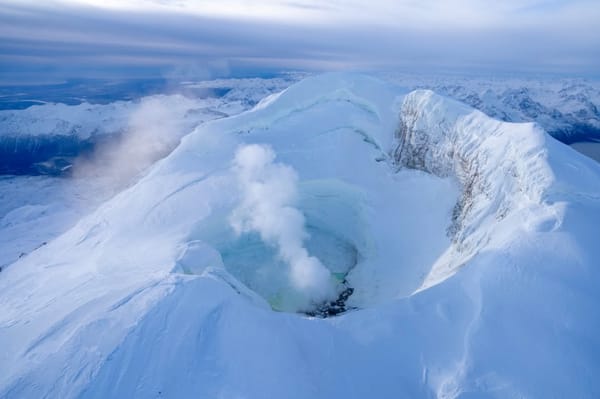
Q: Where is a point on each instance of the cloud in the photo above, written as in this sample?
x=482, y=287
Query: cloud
x=269, y=191
x=142, y=38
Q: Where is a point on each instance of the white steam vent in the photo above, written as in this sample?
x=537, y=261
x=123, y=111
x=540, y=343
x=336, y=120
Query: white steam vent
x=269, y=194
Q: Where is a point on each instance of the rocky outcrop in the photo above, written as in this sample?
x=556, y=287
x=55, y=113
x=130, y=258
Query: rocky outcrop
x=498, y=165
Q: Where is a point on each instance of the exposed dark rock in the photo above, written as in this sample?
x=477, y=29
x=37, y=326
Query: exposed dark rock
x=336, y=307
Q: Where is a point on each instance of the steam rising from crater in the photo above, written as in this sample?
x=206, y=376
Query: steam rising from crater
x=153, y=130
x=269, y=191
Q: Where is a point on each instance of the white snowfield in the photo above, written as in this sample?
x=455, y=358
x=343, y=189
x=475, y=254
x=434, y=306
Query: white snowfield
x=471, y=245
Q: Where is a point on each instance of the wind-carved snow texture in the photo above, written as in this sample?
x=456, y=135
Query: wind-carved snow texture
x=269, y=192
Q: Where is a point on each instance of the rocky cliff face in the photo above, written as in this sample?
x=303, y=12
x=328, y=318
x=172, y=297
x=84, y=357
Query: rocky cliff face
x=500, y=166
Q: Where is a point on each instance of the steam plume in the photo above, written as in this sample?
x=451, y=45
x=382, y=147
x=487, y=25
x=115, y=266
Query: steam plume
x=153, y=130
x=269, y=192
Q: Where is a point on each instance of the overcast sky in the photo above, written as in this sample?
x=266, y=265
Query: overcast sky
x=58, y=39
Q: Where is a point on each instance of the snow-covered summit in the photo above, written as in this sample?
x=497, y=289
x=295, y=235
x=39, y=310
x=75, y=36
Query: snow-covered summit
x=469, y=244
x=504, y=169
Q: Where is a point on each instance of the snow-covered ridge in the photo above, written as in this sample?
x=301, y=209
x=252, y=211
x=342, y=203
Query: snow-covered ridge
x=503, y=168
x=568, y=109
x=154, y=294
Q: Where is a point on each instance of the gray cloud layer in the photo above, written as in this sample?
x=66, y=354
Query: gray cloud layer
x=61, y=40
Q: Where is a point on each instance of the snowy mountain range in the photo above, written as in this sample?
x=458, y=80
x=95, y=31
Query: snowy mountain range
x=568, y=109
x=345, y=237
x=44, y=139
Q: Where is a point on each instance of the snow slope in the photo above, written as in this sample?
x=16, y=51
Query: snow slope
x=471, y=245
x=105, y=147
x=37, y=209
